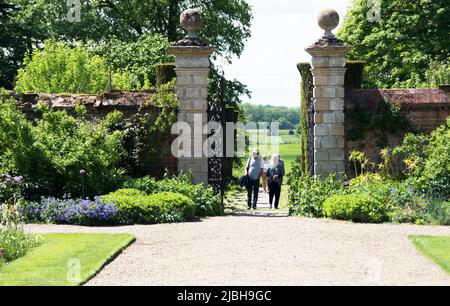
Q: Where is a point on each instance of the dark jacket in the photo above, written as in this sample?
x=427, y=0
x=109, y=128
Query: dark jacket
x=278, y=170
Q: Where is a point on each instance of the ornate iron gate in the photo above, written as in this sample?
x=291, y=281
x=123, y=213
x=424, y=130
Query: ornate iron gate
x=216, y=165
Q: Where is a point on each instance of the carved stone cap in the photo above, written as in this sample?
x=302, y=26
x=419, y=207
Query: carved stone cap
x=328, y=50
x=191, y=50
x=191, y=20
x=328, y=20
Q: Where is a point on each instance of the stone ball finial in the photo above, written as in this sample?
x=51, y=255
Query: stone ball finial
x=328, y=20
x=191, y=20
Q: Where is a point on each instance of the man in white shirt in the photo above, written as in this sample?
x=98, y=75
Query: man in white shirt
x=254, y=171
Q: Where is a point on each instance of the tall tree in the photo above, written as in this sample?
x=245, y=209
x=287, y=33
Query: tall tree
x=399, y=45
x=11, y=46
x=226, y=24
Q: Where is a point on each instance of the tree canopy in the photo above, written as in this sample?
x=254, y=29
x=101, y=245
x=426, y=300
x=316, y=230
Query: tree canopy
x=410, y=37
x=288, y=118
x=93, y=67
x=30, y=22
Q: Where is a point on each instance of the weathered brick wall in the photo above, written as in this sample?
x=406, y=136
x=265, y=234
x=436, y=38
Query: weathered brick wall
x=98, y=106
x=425, y=109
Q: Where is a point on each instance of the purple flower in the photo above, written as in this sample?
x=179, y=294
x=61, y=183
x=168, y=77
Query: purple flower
x=82, y=171
x=73, y=211
x=18, y=179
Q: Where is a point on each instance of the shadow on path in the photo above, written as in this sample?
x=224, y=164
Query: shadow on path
x=236, y=205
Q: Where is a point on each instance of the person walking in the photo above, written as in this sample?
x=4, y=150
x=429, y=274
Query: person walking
x=265, y=167
x=275, y=175
x=254, y=171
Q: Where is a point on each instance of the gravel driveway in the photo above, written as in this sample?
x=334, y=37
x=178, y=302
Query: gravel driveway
x=254, y=250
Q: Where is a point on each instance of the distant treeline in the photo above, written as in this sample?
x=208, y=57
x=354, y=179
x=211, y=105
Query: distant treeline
x=288, y=118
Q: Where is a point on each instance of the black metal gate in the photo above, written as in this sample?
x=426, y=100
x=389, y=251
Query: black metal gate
x=216, y=164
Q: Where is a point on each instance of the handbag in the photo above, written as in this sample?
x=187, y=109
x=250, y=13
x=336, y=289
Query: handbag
x=245, y=180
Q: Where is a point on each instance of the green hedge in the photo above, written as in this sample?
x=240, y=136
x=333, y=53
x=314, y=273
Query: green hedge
x=136, y=207
x=356, y=207
x=206, y=203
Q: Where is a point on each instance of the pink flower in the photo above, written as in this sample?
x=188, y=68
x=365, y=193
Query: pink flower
x=82, y=171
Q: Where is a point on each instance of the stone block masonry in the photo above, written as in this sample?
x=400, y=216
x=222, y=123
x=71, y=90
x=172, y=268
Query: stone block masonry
x=328, y=71
x=192, y=69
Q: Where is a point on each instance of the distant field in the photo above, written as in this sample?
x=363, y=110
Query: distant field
x=288, y=152
x=289, y=149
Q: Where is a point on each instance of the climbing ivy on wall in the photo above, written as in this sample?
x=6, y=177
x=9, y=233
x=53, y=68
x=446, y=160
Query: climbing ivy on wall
x=387, y=118
x=354, y=74
x=305, y=121
x=165, y=73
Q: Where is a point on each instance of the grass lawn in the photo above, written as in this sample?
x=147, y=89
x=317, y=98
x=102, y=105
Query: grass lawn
x=288, y=152
x=55, y=261
x=435, y=248
x=289, y=147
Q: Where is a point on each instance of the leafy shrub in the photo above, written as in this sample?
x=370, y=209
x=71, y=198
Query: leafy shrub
x=411, y=212
x=70, y=211
x=437, y=74
x=11, y=188
x=360, y=207
x=436, y=173
x=437, y=211
x=129, y=192
x=69, y=144
x=412, y=185
x=93, y=67
x=307, y=195
x=144, y=132
x=135, y=207
x=133, y=63
x=52, y=151
x=393, y=193
x=386, y=119
x=146, y=185
x=423, y=210
x=17, y=153
x=14, y=242
x=61, y=68
x=206, y=203
x=427, y=159
x=404, y=201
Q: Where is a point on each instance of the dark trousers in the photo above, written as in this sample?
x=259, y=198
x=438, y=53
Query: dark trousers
x=274, y=191
x=252, y=188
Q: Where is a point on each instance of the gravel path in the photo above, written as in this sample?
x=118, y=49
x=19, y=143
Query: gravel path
x=252, y=250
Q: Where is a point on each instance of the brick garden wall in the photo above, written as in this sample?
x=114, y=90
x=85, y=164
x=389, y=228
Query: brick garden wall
x=98, y=106
x=425, y=109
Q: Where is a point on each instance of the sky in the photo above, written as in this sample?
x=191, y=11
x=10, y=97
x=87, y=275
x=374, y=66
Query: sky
x=281, y=31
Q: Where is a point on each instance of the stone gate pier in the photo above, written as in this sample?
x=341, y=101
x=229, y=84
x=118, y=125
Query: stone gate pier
x=192, y=69
x=328, y=70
